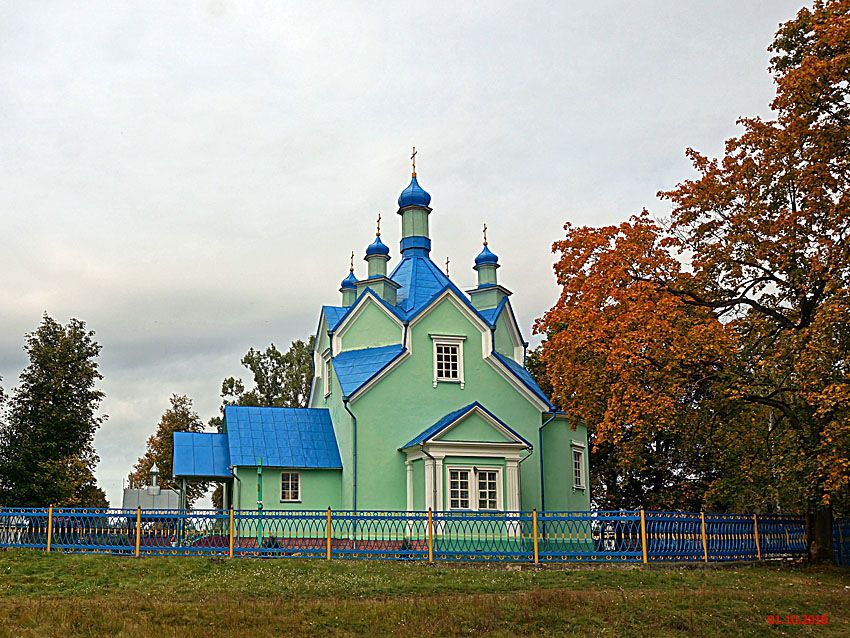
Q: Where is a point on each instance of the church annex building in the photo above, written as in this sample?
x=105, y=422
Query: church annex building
x=419, y=400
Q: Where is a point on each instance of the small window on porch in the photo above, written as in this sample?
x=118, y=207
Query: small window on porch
x=475, y=489
x=459, y=489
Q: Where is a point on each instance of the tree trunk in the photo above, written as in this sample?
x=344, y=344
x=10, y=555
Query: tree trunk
x=819, y=534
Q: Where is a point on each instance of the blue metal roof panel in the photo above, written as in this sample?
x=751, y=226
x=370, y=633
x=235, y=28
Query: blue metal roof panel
x=281, y=437
x=200, y=454
x=333, y=315
x=354, y=368
x=524, y=376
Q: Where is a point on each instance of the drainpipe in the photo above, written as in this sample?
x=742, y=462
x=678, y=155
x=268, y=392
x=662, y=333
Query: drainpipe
x=239, y=491
x=433, y=476
x=540, y=444
x=354, y=445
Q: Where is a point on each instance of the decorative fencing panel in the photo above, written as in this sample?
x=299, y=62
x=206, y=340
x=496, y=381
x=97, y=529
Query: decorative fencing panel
x=545, y=537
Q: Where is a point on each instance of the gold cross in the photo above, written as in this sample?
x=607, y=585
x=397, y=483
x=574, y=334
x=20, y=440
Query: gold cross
x=485, y=234
x=447, y=266
x=351, y=264
x=378, y=234
x=413, y=158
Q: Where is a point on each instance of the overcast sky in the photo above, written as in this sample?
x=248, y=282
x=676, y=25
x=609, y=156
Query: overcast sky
x=189, y=178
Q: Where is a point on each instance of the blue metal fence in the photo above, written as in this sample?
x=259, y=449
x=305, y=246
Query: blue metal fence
x=545, y=537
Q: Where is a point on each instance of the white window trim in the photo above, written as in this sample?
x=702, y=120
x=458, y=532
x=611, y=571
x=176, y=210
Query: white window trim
x=581, y=449
x=473, y=487
x=449, y=340
x=290, y=500
x=326, y=373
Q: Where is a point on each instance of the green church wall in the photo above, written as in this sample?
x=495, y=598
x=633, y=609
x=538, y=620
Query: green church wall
x=405, y=403
x=371, y=328
x=474, y=428
x=320, y=489
x=561, y=494
x=503, y=341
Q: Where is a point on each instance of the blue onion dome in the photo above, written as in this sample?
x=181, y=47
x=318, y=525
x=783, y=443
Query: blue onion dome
x=414, y=195
x=350, y=281
x=486, y=256
x=377, y=247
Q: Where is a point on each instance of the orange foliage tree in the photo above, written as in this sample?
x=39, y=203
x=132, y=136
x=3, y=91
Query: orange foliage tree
x=759, y=316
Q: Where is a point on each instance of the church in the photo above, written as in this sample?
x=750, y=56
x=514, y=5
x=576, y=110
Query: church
x=419, y=400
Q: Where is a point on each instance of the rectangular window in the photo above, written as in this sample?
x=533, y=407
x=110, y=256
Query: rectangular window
x=459, y=489
x=290, y=487
x=578, y=468
x=328, y=383
x=448, y=355
x=488, y=495
x=448, y=359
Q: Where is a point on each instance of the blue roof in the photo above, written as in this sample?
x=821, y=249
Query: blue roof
x=377, y=247
x=202, y=454
x=355, y=368
x=413, y=195
x=452, y=417
x=282, y=437
x=334, y=314
x=525, y=376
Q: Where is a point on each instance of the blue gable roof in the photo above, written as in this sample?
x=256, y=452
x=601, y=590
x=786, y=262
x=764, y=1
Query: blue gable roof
x=355, y=368
x=453, y=417
x=281, y=437
x=200, y=454
x=333, y=315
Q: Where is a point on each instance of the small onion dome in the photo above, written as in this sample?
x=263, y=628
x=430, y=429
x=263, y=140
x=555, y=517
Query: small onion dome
x=414, y=195
x=349, y=282
x=377, y=247
x=486, y=257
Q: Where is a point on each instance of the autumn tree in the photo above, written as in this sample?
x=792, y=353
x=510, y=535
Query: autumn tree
x=636, y=364
x=767, y=228
x=180, y=417
x=47, y=441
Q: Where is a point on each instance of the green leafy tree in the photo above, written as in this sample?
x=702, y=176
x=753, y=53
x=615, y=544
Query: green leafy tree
x=180, y=417
x=46, y=444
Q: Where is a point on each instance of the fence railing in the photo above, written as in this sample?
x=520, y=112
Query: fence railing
x=538, y=537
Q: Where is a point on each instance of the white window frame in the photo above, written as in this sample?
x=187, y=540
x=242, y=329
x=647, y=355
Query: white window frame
x=297, y=499
x=326, y=373
x=473, y=487
x=449, y=340
x=578, y=448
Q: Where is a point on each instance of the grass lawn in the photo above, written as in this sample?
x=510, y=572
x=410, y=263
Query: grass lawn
x=76, y=595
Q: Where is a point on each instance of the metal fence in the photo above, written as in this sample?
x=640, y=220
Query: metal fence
x=538, y=537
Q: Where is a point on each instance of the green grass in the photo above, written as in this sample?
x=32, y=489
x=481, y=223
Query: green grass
x=76, y=595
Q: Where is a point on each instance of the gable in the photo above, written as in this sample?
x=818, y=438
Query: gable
x=504, y=339
x=369, y=326
x=473, y=427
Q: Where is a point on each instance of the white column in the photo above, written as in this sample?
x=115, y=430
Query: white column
x=409, y=485
x=513, y=504
x=439, y=471
x=429, y=484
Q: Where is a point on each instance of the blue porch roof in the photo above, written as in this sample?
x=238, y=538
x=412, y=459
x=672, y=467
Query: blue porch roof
x=201, y=454
x=453, y=417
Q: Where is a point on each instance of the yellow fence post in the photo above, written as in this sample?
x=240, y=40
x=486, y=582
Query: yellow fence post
x=704, y=538
x=756, y=532
x=230, y=549
x=534, y=531
x=329, y=534
x=138, y=531
x=49, y=527
x=430, y=536
x=643, y=536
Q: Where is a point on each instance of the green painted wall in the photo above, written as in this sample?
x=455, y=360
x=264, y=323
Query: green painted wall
x=561, y=494
x=408, y=396
x=320, y=489
x=371, y=328
x=503, y=341
x=474, y=428
x=414, y=222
